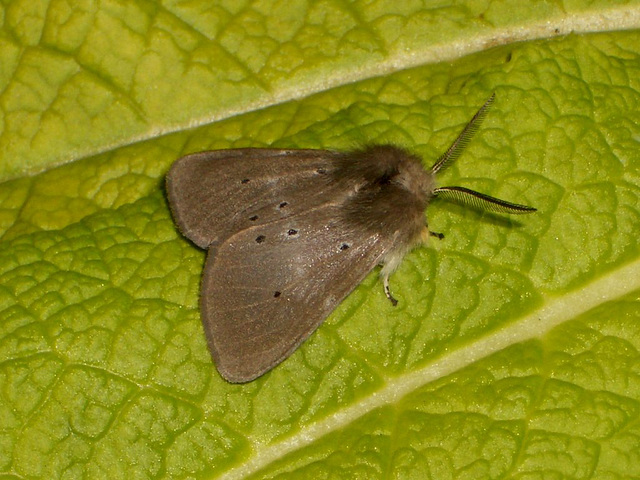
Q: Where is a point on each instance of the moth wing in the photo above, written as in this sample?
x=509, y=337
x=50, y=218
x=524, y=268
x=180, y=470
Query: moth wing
x=217, y=193
x=267, y=288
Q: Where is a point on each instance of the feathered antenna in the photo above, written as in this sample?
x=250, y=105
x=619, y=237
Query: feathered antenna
x=481, y=201
x=459, y=144
x=464, y=195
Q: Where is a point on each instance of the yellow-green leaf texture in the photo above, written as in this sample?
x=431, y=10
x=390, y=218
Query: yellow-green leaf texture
x=514, y=352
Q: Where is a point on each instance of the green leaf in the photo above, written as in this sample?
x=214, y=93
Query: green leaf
x=514, y=350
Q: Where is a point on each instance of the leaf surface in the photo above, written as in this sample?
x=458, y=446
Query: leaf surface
x=514, y=350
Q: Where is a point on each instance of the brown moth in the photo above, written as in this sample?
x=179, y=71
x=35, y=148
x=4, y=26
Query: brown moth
x=289, y=233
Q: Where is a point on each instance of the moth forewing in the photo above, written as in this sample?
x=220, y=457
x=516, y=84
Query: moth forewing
x=214, y=194
x=267, y=288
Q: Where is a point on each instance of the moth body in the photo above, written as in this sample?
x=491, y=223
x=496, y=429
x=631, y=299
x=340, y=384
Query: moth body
x=289, y=233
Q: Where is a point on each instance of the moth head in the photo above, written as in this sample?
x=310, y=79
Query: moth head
x=387, y=167
x=412, y=176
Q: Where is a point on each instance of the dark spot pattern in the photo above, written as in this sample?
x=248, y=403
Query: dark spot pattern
x=245, y=181
x=253, y=218
x=277, y=294
x=321, y=171
x=292, y=231
x=344, y=246
x=283, y=204
x=260, y=238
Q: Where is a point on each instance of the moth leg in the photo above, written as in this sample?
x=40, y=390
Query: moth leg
x=426, y=233
x=387, y=291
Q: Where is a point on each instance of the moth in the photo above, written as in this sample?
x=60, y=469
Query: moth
x=289, y=233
